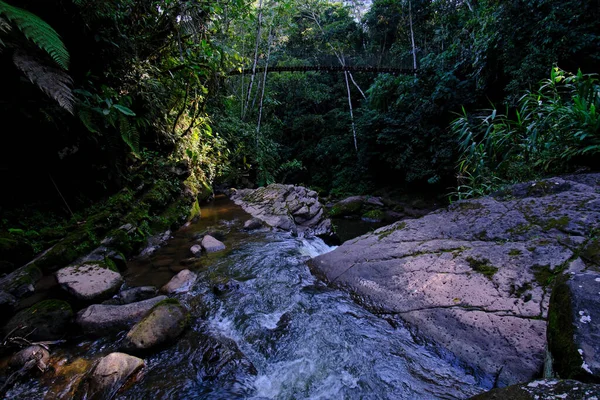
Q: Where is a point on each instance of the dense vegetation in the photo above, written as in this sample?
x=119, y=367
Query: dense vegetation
x=98, y=96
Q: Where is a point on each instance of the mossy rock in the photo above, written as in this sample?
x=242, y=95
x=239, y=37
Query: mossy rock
x=346, y=207
x=165, y=322
x=21, y=280
x=48, y=319
x=591, y=252
x=374, y=215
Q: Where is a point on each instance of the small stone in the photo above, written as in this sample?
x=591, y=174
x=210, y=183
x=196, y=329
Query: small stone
x=40, y=355
x=137, y=294
x=211, y=245
x=182, y=282
x=196, y=250
x=164, y=323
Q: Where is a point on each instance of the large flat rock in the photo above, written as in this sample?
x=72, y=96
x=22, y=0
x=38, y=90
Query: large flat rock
x=474, y=278
x=89, y=281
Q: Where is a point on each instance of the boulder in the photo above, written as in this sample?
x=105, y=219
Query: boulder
x=165, y=322
x=196, y=250
x=348, y=206
x=101, y=319
x=90, y=281
x=182, y=282
x=212, y=245
x=252, y=224
x=574, y=326
x=474, y=278
x=21, y=282
x=137, y=294
x=544, y=389
x=35, y=354
x=286, y=207
x=46, y=320
x=110, y=374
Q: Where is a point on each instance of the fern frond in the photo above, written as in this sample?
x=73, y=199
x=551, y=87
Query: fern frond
x=52, y=81
x=38, y=31
x=130, y=135
x=86, y=116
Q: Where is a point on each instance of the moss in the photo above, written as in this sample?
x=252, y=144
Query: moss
x=194, y=211
x=567, y=361
x=515, y=252
x=591, y=252
x=51, y=305
x=468, y=205
x=520, y=229
x=543, y=274
x=556, y=223
x=395, y=228
x=483, y=266
x=376, y=215
x=346, y=208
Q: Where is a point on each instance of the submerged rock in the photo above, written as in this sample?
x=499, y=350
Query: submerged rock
x=111, y=373
x=574, y=326
x=35, y=354
x=182, y=282
x=252, y=224
x=212, y=245
x=165, y=322
x=473, y=278
x=137, y=294
x=545, y=389
x=101, y=319
x=286, y=207
x=89, y=282
x=46, y=320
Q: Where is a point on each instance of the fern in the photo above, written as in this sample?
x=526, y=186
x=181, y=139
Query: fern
x=38, y=31
x=130, y=135
x=52, y=81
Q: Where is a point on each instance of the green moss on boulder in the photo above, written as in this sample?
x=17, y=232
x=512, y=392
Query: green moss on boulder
x=46, y=320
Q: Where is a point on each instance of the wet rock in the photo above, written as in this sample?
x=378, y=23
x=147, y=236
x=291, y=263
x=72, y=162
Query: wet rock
x=166, y=321
x=574, y=326
x=182, y=282
x=196, y=250
x=252, y=224
x=35, y=354
x=154, y=243
x=21, y=282
x=89, y=282
x=46, y=320
x=103, y=253
x=111, y=373
x=212, y=245
x=100, y=319
x=189, y=261
x=473, y=278
x=545, y=389
x=64, y=377
x=137, y=294
x=286, y=207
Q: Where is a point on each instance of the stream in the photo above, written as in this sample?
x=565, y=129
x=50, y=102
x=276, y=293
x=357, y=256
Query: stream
x=304, y=339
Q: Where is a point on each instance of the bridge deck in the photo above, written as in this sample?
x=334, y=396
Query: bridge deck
x=327, y=69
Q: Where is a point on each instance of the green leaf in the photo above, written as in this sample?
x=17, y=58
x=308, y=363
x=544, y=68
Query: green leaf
x=124, y=110
x=38, y=31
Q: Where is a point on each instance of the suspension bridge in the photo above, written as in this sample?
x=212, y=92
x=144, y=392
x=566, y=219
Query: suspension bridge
x=332, y=64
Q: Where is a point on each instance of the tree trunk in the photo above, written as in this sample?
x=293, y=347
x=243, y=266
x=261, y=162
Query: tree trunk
x=262, y=94
x=351, y=113
x=412, y=35
x=258, y=29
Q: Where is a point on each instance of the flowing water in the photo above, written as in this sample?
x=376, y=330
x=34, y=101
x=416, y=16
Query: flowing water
x=305, y=340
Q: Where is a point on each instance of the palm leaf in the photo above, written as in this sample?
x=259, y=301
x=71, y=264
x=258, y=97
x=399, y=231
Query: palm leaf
x=38, y=31
x=52, y=81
